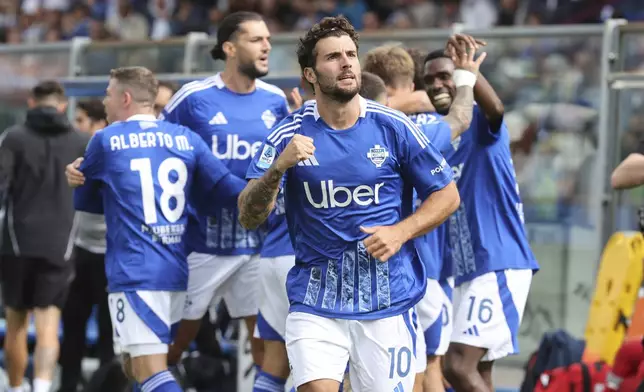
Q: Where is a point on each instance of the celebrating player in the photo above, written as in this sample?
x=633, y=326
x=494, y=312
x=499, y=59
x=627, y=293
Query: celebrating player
x=233, y=112
x=493, y=263
x=397, y=68
x=145, y=171
x=349, y=167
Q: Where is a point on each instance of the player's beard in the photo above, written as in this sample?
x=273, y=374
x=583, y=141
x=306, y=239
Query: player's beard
x=249, y=69
x=331, y=89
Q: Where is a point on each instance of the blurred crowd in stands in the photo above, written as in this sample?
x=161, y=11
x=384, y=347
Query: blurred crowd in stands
x=55, y=20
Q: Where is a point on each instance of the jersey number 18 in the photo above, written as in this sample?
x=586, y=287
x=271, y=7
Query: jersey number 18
x=169, y=189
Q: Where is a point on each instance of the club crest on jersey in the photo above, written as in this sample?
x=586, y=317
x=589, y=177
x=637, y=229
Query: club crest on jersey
x=269, y=119
x=378, y=155
x=266, y=159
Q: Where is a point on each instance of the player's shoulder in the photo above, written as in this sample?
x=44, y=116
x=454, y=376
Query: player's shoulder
x=195, y=91
x=395, y=121
x=270, y=89
x=291, y=124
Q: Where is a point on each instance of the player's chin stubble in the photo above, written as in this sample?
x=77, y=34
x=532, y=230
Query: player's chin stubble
x=251, y=71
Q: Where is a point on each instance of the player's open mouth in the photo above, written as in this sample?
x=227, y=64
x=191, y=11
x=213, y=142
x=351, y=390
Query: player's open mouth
x=347, y=76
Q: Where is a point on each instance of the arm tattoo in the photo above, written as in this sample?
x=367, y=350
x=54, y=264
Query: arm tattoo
x=258, y=198
x=461, y=111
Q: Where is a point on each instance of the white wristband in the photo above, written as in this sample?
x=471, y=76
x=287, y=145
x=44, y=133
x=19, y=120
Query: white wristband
x=462, y=78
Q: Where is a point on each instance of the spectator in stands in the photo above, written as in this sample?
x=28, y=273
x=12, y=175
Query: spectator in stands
x=166, y=91
x=89, y=287
x=39, y=230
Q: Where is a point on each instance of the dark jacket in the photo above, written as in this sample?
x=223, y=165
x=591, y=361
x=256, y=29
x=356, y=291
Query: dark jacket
x=39, y=215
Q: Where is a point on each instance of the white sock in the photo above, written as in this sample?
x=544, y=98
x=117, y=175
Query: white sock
x=41, y=385
x=16, y=389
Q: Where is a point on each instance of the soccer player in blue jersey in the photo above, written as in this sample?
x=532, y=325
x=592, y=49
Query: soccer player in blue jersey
x=348, y=168
x=397, y=68
x=145, y=172
x=233, y=112
x=492, y=260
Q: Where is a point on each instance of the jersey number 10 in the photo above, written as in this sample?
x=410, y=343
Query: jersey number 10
x=169, y=190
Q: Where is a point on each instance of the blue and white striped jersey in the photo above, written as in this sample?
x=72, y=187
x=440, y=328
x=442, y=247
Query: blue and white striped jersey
x=361, y=176
x=233, y=126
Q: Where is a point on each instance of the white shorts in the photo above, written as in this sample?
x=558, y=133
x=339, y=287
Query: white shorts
x=143, y=320
x=421, y=363
x=273, y=310
x=488, y=311
x=233, y=278
x=380, y=352
x=435, y=314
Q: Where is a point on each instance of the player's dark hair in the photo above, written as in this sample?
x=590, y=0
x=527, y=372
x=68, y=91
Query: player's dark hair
x=372, y=86
x=172, y=86
x=139, y=82
x=94, y=109
x=419, y=65
x=48, y=89
x=228, y=29
x=436, y=54
x=334, y=26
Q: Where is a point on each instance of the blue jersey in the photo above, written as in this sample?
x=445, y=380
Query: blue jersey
x=277, y=241
x=486, y=233
x=432, y=246
x=233, y=125
x=146, y=171
x=361, y=176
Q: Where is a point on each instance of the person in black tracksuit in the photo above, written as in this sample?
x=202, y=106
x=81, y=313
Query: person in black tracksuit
x=38, y=233
x=89, y=286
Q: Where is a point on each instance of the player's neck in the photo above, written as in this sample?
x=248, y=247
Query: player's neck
x=338, y=115
x=136, y=112
x=237, y=81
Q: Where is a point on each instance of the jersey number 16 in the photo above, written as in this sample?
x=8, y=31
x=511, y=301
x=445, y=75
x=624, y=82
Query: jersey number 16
x=169, y=189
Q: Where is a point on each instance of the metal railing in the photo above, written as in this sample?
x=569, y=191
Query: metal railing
x=560, y=86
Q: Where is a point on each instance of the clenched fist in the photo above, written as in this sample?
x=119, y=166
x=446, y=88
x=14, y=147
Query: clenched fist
x=300, y=148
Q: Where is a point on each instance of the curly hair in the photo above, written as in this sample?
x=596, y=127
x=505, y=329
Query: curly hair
x=334, y=26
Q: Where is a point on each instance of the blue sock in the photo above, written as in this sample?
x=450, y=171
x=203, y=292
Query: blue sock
x=265, y=382
x=161, y=382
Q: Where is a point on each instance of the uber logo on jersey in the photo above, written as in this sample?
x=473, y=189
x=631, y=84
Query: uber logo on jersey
x=333, y=196
x=235, y=148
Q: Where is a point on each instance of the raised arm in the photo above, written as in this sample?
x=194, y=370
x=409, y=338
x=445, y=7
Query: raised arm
x=257, y=200
x=465, y=77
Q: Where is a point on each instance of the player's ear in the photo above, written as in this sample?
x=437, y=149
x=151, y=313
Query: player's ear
x=228, y=48
x=310, y=75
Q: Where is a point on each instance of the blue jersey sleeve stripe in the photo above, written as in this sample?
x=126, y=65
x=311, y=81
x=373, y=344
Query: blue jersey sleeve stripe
x=297, y=118
x=422, y=141
x=399, y=115
x=269, y=87
x=187, y=90
x=418, y=134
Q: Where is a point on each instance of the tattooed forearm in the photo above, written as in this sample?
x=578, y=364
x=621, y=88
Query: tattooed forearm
x=258, y=198
x=461, y=111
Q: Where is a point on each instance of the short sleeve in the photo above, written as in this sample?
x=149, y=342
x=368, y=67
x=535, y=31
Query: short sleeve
x=93, y=160
x=89, y=197
x=485, y=133
x=439, y=134
x=421, y=163
x=272, y=146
